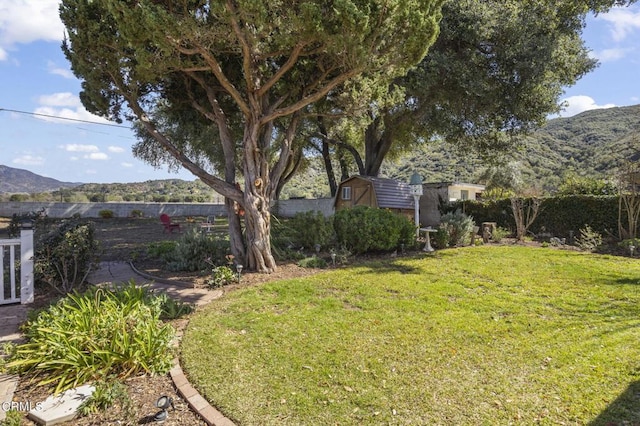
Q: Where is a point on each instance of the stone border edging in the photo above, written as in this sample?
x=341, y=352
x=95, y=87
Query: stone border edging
x=158, y=279
x=196, y=402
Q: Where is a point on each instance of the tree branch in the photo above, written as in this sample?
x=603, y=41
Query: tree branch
x=295, y=54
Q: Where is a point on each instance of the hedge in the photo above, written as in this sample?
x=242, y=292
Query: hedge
x=558, y=216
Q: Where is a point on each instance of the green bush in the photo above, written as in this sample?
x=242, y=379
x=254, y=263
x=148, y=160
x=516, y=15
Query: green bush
x=311, y=228
x=105, y=395
x=106, y=214
x=137, y=213
x=499, y=233
x=95, y=335
x=362, y=229
x=312, y=262
x=454, y=230
x=65, y=255
x=221, y=276
x=162, y=250
x=588, y=240
x=558, y=215
x=195, y=250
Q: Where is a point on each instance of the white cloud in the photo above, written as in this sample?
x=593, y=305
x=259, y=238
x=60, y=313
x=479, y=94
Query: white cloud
x=613, y=54
x=116, y=149
x=29, y=160
x=63, y=72
x=577, y=104
x=624, y=22
x=59, y=99
x=97, y=156
x=3, y=54
x=74, y=147
x=25, y=21
x=128, y=165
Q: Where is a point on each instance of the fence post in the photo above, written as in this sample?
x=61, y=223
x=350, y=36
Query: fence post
x=26, y=265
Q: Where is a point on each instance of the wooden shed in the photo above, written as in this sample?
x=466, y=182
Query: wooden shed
x=375, y=192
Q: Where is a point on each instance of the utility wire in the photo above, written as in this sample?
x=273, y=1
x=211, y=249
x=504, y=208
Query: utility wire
x=65, y=118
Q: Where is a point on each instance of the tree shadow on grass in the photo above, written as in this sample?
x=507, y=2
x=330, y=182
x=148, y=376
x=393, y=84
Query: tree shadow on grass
x=390, y=266
x=625, y=410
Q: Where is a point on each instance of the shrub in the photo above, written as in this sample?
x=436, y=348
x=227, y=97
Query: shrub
x=162, y=250
x=106, y=214
x=362, y=229
x=588, y=240
x=98, y=334
x=195, y=249
x=105, y=395
x=64, y=256
x=221, y=276
x=312, y=262
x=499, y=233
x=454, y=230
x=137, y=213
x=171, y=308
x=311, y=228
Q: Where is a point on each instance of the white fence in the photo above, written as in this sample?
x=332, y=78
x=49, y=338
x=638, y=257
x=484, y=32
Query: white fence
x=16, y=255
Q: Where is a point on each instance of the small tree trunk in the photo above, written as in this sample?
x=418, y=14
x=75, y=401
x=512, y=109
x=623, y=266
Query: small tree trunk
x=524, y=214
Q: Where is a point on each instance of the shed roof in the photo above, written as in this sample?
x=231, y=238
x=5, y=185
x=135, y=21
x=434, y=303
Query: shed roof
x=390, y=193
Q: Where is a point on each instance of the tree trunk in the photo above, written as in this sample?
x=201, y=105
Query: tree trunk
x=257, y=198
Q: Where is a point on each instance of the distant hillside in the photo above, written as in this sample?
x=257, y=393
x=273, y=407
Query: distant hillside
x=18, y=180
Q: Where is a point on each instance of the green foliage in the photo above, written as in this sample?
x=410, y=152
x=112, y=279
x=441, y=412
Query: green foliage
x=558, y=216
x=38, y=218
x=162, y=250
x=588, y=239
x=13, y=418
x=362, y=229
x=171, y=308
x=65, y=255
x=195, y=249
x=221, y=276
x=499, y=233
x=137, y=213
x=106, y=214
x=626, y=244
x=98, y=334
x=104, y=396
x=454, y=230
x=312, y=262
x=311, y=228
x=574, y=184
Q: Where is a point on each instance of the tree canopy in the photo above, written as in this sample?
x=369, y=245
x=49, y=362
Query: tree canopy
x=248, y=67
x=496, y=71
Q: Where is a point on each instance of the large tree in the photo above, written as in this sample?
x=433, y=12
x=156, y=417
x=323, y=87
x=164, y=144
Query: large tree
x=248, y=64
x=496, y=71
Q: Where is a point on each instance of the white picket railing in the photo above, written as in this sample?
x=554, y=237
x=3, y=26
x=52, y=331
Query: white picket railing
x=14, y=289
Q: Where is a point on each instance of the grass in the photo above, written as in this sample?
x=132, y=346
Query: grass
x=469, y=336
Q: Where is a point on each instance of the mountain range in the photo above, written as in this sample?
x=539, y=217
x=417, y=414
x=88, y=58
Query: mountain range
x=593, y=143
x=19, y=180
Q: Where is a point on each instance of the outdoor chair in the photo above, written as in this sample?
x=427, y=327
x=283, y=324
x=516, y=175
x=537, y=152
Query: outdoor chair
x=208, y=224
x=167, y=224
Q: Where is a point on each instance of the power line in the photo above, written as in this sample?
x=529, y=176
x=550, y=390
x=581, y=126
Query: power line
x=65, y=118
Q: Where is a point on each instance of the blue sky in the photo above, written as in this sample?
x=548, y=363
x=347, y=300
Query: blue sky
x=35, y=77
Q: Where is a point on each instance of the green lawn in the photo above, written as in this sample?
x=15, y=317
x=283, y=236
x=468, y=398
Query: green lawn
x=482, y=335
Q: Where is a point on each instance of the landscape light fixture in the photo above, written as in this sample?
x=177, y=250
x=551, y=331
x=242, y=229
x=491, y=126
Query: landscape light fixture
x=333, y=258
x=163, y=403
x=317, y=247
x=631, y=250
x=239, y=269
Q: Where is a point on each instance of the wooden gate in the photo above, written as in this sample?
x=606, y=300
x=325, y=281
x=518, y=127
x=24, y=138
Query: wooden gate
x=16, y=269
